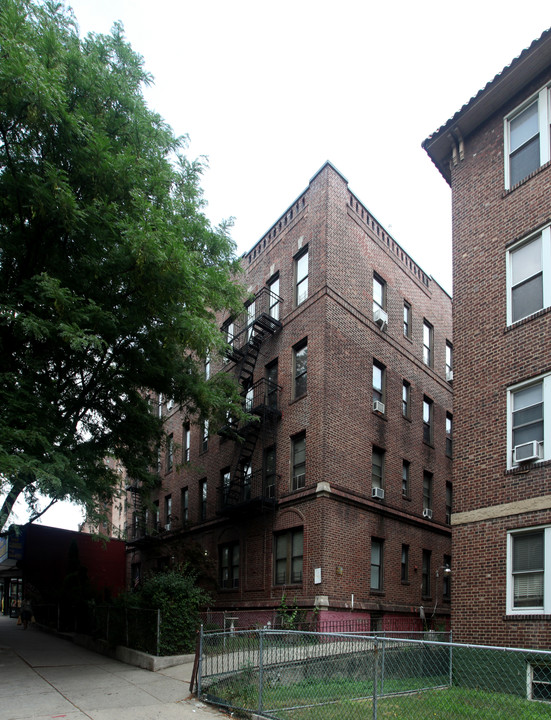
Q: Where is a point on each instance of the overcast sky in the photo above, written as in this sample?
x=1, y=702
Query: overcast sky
x=270, y=91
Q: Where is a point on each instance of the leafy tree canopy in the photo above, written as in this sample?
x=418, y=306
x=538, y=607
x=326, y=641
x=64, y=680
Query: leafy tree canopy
x=110, y=273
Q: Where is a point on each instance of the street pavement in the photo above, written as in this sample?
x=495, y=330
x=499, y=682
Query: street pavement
x=44, y=677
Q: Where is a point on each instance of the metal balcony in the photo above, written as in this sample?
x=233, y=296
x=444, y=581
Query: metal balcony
x=248, y=492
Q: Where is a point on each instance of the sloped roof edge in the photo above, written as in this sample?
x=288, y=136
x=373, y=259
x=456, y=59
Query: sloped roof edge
x=530, y=63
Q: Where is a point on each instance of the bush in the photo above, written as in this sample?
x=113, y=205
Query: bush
x=177, y=596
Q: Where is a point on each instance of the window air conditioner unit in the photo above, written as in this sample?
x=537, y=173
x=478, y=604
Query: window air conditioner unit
x=378, y=493
x=379, y=407
x=381, y=318
x=527, y=452
x=427, y=513
x=449, y=375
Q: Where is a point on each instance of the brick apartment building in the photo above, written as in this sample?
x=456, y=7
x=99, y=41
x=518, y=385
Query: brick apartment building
x=339, y=496
x=496, y=155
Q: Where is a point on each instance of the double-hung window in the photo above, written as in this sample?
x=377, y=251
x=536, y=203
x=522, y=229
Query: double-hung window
x=527, y=138
x=449, y=434
x=449, y=361
x=288, y=557
x=529, y=276
x=404, y=569
x=170, y=453
x=300, y=369
x=186, y=441
x=529, y=420
x=298, y=450
x=405, y=478
x=274, y=299
x=376, y=564
x=427, y=420
x=301, y=277
x=406, y=398
x=377, y=468
x=203, y=488
x=378, y=387
x=229, y=565
x=529, y=571
x=427, y=490
x=407, y=319
x=428, y=339
x=425, y=574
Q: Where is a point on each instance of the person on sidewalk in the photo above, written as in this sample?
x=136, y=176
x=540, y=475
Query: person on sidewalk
x=26, y=612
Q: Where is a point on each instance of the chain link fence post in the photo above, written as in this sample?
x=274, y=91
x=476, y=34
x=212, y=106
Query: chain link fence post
x=375, y=675
x=200, y=666
x=158, y=633
x=260, y=668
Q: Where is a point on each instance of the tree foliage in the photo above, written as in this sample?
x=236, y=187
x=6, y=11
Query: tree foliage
x=110, y=273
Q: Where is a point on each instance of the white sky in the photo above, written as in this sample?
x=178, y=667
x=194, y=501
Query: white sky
x=270, y=91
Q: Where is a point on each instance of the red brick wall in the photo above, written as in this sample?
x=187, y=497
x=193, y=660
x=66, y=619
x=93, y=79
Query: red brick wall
x=489, y=357
x=346, y=246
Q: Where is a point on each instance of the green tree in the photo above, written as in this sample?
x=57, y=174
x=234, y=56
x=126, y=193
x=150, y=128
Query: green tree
x=110, y=273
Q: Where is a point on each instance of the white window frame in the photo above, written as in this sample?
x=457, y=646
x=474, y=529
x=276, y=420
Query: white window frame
x=301, y=276
x=546, y=380
x=543, y=98
x=545, y=234
x=546, y=608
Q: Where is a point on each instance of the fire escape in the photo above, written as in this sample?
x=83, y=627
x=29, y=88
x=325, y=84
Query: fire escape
x=243, y=490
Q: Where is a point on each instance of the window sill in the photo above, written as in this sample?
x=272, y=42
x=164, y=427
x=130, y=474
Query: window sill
x=535, y=616
x=381, y=416
x=527, y=319
x=378, y=593
x=429, y=444
x=406, y=497
x=296, y=399
x=405, y=582
x=522, y=182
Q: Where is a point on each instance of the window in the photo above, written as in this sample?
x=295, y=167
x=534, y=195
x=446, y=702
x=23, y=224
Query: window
x=446, y=578
x=427, y=490
x=251, y=316
x=529, y=418
x=529, y=276
x=156, y=515
x=301, y=277
x=168, y=511
x=405, y=478
x=184, y=505
x=300, y=362
x=288, y=551
x=378, y=386
x=186, y=444
x=428, y=338
x=299, y=462
x=449, y=436
x=407, y=319
x=225, y=478
x=379, y=293
x=539, y=681
x=269, y=473
x=404, y=568
x=247, y=477
x=229, y=565
x=377, y=468
x=529, y=571
x=376, y=564
x=406, y=397
x=427, y=420
x=527, y=138
x=169, y=453
x=207, y=367
x=425, y=574
x=205, y=436
x=449, y=361
x=203, y=499
x=271, y=380
x=274, y=299
x=449, y=502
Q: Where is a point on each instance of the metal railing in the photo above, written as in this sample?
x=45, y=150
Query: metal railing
x=306, y=676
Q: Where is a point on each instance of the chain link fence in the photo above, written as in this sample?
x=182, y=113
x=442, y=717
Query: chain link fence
x=288, y=675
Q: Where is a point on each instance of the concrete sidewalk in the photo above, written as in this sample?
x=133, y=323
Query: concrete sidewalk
x=45, y=677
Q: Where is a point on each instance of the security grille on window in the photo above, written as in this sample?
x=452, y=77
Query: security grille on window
x=376, y=564
x=527, y=138
x=301, y=278
x=529, y=276
x=229, y=565
x=288, y=557
x=299, y=462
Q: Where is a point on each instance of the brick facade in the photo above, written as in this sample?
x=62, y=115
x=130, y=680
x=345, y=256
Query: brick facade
x=333, y=506
x=494, y=495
